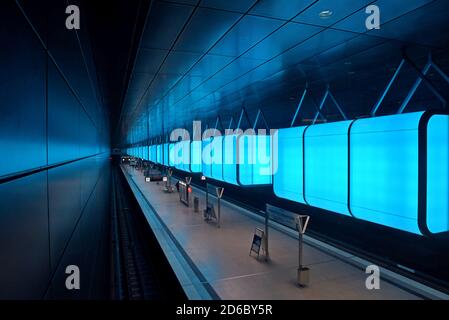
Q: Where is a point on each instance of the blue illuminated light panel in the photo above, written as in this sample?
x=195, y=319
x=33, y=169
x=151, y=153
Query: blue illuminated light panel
x=384, y=171
x=217, y=158
x=438, y=174
x=288, y=178
x=230, y=159
x=185, y=155
x=182, y=155
x=153, y=153
x=195, y=156
x=206, y=157
x=178, y=155
x=166, y=152
x=254, y=151
x=171, y=152
x=159, y=154
x=326, y=166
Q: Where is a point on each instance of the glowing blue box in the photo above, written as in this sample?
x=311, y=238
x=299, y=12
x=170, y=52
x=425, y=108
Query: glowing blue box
x=437, y=204
x=177, y=155
x=230, y=159
x=159, y=158
x=171, y=152
x=326, y=166
x=212, y=158
x=166, y=152
x=182, y=155
x=185, y=155
x=206, y=158
x=288, y=174
x=217, y=158
x=254, y=160
x=195, y=156
x=153, y=153
x=384, y=170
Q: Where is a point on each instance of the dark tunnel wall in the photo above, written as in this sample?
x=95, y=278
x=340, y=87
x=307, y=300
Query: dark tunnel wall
x=54, y=168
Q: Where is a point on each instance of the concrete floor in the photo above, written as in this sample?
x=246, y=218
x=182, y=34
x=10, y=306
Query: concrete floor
x=222, y=255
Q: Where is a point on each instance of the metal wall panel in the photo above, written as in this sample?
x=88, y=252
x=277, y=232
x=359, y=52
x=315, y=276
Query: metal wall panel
x=24, y=255
x=22, y=95
x=63, y=119
x=64, y=187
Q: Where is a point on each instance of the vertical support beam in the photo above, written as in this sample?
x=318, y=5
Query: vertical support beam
x=260, y=114
x=321, y=106
x=231, y=122
x=392, y=80
x=256, y=120
x=441, y=72
x=243, y=113
x=338, y=106
x=215, y=128
x=298, y=108
x=424, y=78
x=415, y=87
x=267, y=218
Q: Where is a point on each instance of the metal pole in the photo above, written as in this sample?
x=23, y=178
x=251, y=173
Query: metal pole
x=300, y=252
x=219, y=213
x=320, y=107
x=299, y=107
x=207, y=195
x=382, y=97
x=413, y=89
x=267, y=254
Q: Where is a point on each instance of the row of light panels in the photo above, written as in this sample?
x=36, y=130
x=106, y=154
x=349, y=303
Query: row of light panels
x=391, y=170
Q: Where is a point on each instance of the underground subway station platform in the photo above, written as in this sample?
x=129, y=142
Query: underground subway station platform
x=196, y=152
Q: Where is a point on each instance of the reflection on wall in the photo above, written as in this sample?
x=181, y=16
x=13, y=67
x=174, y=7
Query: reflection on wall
x=54, y=169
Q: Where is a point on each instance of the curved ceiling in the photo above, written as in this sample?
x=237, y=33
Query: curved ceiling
x=200, y=59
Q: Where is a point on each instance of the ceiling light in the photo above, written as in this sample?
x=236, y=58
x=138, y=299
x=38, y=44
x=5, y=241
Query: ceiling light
x=325, y=14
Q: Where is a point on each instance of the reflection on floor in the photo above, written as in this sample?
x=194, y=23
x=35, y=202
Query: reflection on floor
x=221, y=255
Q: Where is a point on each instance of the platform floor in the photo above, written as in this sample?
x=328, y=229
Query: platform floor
x=222, y=255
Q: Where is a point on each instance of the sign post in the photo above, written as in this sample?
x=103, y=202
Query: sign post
x=302, y=222
x=267, y=254
x=219, y=191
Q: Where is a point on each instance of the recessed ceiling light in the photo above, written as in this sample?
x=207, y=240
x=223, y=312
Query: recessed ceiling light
x=325, y=14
